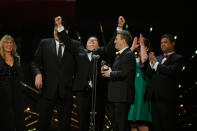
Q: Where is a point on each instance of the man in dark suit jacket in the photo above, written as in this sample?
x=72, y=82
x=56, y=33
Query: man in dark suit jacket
x=164, y=71
x=83, y=83
x=54, y=76
x=121, y=81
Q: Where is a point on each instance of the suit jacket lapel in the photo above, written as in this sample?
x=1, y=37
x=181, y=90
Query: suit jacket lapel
x=53, y=49
x=168, y=59
x=117, y=59
x=86, y=52
x=124, y=52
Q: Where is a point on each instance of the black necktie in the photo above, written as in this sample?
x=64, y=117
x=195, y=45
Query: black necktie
x=89, y=51
x=60, y=51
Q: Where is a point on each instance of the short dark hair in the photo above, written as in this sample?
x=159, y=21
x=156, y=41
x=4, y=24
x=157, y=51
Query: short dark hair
x=124, y=34
x=169, y=36
x=92, y=36
x=147, y=42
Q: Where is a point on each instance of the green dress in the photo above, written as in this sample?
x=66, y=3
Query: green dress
x=141, y=109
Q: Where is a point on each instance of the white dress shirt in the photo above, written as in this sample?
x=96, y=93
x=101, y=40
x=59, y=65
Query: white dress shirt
x=120, y=51
x=163, y=60
x=90, y=56
x=57, y=47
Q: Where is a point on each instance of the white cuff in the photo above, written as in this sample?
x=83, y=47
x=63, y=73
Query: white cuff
x=110, y=71
x=60, y=29
x=151, y=65
x=90, y=83
x=118, y=28
x=155, y=66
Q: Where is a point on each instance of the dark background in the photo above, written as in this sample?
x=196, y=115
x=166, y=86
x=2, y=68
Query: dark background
x=28, y=21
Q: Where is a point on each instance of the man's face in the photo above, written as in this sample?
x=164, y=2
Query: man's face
x=166, y=45
x=118, y=42
x=92, y=44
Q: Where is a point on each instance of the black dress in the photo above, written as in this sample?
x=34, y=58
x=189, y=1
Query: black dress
x=11, y=98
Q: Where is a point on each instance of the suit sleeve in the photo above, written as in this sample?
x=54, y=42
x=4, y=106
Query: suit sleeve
x=70, y=44
x=173, y=69
x=109, y=50
x=128, y=65
x=37, y=60
x=147, y=70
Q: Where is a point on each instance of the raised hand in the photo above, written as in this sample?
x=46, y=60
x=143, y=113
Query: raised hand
x=121, y=21
x=58, y=21
x=135, y=45
x=152, y=58
x=141, y=40
x=143, y=50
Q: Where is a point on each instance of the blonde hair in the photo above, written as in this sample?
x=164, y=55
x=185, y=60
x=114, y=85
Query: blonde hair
x=2, y=42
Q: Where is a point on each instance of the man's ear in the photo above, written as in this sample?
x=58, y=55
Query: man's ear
x=173, y=44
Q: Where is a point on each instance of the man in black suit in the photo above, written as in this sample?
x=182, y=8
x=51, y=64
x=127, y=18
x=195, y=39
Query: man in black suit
x=164, y=71
x=54, y=68
x=121, y=81
x=84, y=80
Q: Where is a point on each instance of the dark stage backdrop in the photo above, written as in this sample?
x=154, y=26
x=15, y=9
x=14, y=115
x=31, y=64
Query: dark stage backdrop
x=30, y=20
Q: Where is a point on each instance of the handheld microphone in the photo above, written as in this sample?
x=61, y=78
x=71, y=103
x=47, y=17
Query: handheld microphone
x=104, y=63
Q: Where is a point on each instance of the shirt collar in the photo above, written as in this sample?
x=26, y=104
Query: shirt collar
x=120, y=51
x=169, y=53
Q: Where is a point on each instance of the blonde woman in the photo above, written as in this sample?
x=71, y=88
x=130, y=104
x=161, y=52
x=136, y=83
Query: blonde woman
x=12, y=110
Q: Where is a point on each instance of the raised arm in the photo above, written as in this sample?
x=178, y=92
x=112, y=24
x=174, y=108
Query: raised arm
x=110, y=48
x=143, y=50
x=121, y=22
x=72, y=45
x=135, y=45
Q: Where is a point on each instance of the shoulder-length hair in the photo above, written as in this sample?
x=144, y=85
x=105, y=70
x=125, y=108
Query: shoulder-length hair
x=3, y=41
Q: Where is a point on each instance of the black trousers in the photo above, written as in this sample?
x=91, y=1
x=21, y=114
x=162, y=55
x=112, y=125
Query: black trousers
x=64, y=107
x=163, y=116
x=119, y=116
x=83, y=100
x=84, y=104
x=100, y=110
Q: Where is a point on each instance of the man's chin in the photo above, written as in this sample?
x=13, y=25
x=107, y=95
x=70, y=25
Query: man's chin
x=91, y=49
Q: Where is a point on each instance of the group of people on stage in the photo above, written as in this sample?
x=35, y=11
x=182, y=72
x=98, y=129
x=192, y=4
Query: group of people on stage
x=139, y=87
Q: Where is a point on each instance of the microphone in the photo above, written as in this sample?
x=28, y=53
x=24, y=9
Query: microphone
x=95, y=56
x=104, y=63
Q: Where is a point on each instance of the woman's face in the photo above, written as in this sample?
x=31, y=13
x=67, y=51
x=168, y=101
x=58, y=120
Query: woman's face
x=8, y=45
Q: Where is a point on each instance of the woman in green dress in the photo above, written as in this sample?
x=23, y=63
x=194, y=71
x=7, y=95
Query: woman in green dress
x=140, y=112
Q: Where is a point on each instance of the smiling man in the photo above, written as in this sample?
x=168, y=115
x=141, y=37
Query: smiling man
x=164, y=70
x=121, y=81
